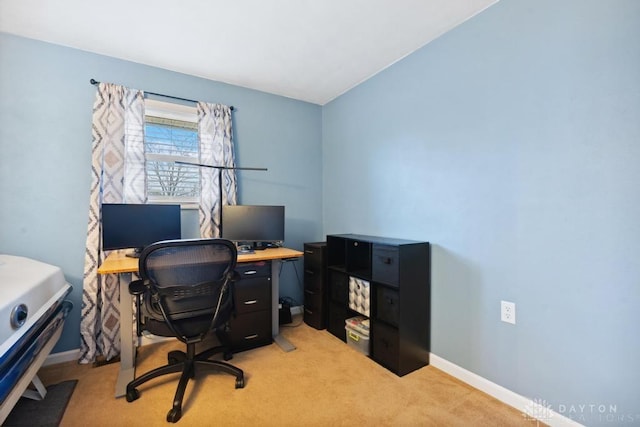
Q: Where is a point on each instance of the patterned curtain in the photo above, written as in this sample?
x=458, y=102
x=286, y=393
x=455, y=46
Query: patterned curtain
x=117, y=176
x=216, y=149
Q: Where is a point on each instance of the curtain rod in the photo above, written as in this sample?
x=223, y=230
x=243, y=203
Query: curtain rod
x=96, y=83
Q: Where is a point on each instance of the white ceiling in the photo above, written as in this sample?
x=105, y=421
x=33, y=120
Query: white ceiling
x=311, y=50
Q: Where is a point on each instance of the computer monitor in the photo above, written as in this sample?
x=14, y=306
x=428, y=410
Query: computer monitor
x=257, y=226
x=136, y=226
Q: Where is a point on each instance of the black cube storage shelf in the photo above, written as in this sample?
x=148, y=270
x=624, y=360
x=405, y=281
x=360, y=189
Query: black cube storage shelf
x=399, y=274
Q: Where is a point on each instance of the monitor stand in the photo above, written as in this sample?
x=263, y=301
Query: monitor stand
x=255, y=246
x=135, y=253
x=261, y=246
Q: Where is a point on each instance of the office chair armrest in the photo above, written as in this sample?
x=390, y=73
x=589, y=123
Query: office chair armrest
x=235, y=276
x=137, y=287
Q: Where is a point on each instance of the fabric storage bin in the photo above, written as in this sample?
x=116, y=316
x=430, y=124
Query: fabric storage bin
x=386, y=265
x=359, y=295
x=335, y=322
x=338, y=286
x=388, y=305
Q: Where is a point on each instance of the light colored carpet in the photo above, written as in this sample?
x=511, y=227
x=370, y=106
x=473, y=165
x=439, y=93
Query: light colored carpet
x=322, y=383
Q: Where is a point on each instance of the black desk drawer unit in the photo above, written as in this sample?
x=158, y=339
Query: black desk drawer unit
x=252, y=295
x=252, y=325
x=315, y=295
x=399, y=275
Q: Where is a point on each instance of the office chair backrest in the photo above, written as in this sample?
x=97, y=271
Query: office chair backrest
x=186, y=277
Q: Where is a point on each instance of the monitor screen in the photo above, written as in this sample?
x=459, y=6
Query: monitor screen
x=136, y=226
x=253, y=224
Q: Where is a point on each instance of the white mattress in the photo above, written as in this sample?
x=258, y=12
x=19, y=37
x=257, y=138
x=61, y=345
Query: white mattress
x=26, y=281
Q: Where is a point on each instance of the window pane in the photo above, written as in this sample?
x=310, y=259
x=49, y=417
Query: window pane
x=171, y=179
x=171, y=137
x=167, y=141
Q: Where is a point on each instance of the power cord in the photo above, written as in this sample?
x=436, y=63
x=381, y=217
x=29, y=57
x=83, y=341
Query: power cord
x=291, y=303
x=289, y=300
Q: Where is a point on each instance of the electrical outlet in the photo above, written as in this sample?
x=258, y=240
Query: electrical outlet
x=508, y=312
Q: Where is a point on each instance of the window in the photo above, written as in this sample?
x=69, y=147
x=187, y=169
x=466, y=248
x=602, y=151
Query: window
x=171, y=134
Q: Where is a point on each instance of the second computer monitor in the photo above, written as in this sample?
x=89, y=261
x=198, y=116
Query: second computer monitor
x=255, y=225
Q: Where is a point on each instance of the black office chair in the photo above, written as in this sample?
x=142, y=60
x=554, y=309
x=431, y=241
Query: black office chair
x=186, y=291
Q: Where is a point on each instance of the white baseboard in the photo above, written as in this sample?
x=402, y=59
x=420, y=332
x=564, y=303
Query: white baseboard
x=521, y=403
x=74, y=355
x=65, y=356
x=147, y=339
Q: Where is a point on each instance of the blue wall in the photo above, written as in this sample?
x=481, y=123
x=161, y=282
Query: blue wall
x=513, y=144
x=45, y=154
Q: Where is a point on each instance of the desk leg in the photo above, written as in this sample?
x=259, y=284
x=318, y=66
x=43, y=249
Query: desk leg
x=284, y=344
x=127, y=346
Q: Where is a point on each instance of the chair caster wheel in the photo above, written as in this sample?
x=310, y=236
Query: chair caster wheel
x=174, y=357
x=240, y=382
x=174, y=415
x=132, y=394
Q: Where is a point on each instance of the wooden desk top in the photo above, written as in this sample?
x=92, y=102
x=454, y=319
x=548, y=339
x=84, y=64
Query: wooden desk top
x=118, y=262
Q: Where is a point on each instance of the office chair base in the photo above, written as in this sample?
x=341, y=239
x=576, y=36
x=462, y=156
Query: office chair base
x=177, y=356
x=187, y=367
x=227, y=354
x=174, y=415
x=132, y=395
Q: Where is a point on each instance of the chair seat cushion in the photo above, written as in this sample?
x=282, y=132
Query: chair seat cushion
x=186, y=323
x=189, y=328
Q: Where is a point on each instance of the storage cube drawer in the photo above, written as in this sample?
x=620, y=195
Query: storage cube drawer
x=252, y=295
x=314, y=318
x=314, y=310
x=313, y=305
x=388, y=305
x=254, y=269
x=313, y=278
x=339, y=286
x=385, y=346
x=313, y=299
x=337, y=316
x=385, y=265
x=313, y=256
x=250, y=330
